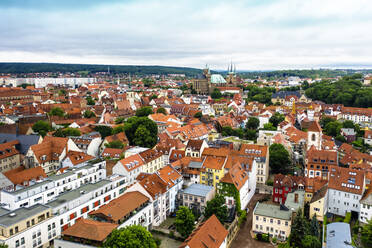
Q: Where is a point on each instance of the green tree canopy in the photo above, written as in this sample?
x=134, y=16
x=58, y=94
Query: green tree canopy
x=184, y=221
x=104, y=130
x=161, y=110
x=299, y=230
x=134, y=236
x=119, y=120
x=115, y=144
x=147, y=82
x=57, y=111
x=198, y=115
x=366, y=234
x=41, y=127
x=90, y=100
x=269, y=126
x=153, y=97
x=279, y=160
x=216, y=206
x=250, y=134
x=252, y=123
x=144, y=111
x=325, y=120
x=276, y=119
x=89, y=114
x=146, y=136
x=66, y=132
x=216, y=94
x=310, y=241
x=333, y=128
x=348, y=124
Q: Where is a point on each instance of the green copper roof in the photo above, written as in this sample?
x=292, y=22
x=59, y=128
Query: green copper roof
x=217, y=79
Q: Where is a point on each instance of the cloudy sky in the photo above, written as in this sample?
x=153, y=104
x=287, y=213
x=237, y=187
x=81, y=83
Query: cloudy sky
x=254, y=34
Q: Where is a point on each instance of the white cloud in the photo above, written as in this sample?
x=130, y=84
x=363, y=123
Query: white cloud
x=254, y=34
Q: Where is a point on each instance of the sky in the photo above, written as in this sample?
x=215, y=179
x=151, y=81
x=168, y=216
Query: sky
x=253, y=34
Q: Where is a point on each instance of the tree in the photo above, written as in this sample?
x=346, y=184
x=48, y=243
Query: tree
x=89, y=114
x=144, y=111
x=134, y=236
x=227, y=131
x=310, y=241
x=276, y=119
x=90, y=100
x=314, y=228
x=216, y=206
x=41, y=127
x=4, y=246
x=161, y=110
x=269, y=126
x=153, y=97
x=340, y=138
x=104, y=131
x=279, y=159
x=366, y=234
x=325, y=120
x=184, y=221
x=115, y=144
x=333, y=128
x=147, y=82
x=119, y=120
x=251, y=134
x=147, y=136
x=66, y=132
x=348, y=124
x=252, y=123
x=198, y=115
x=216, y=94
x=57, y=111
x=299, y=230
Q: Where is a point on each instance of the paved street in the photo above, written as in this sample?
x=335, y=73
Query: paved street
x=244, y=239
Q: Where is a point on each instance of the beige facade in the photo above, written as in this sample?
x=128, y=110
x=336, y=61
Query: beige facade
x=9, y=163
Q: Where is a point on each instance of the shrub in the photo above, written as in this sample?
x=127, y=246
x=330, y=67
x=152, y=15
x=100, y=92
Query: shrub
x=270, y=182
x=274, y=240
x=339, y=219
x=265, y=237
x=157, y=241
x=171, y=234
x=242, y=217
x=347, y=217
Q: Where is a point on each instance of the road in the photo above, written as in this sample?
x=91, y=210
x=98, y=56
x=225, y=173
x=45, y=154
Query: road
x=244, y=239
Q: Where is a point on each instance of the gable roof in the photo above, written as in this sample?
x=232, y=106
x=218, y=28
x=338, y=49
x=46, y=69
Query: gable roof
x=20, y=175
x=210, y=234
x=236, y=176
x=90, y=230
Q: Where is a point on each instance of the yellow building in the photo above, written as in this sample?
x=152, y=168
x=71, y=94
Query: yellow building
x=318, y=204
x=213, y=170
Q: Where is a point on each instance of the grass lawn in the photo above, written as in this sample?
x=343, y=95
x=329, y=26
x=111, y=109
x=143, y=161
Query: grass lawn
x=167, y=223
x=236, y=139
x=167, y=242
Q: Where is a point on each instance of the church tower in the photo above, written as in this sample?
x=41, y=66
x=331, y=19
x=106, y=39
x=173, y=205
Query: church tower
x=314, y=136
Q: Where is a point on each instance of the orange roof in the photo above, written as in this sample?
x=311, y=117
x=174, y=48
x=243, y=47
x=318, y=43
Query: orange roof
x=21, y=175
x=347, y=180
x=210, y=234
x=7, y=149
x=51, y=147
x=314, y=127
x=169, y=175
x=78, y=157
x=153, y=184
x=132, y=162
x=90, y=230
x=255, y=150
x=112, y=152
x=216, y=163
x=122, y=206
x=236, y=175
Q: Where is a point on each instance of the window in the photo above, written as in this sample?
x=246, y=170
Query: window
x=286, y=223
x=313, y=137
x=257, y=217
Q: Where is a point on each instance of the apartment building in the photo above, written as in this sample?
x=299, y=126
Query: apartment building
x=153, y=160
x=345, y=190
x=213, y=170
x=366, y=207
x=195, y=148
x=319, y=204
x=45, y=190
x=318, y=163
x=284, y=184
x=357, y=115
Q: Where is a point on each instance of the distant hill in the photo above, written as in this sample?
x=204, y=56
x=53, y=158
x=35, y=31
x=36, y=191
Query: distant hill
x=125, y=69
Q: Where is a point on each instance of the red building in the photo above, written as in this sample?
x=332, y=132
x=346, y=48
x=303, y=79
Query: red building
x=284, y=184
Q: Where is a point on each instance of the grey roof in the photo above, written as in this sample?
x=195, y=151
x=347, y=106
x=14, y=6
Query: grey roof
x=290, y=201
x=348, y=131
x=283, y=94
x=195, y=164
x=25, y=141
x=10, y=218
x=270, y=210
x=198, y=190
x=76, y=193
x=338, y=235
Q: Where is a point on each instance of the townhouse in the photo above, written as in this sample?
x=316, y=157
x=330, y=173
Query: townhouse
x=130, y=167
x=153, y=160
x=10, y=157
x=195, y=148
x=261, y=156
x=366, y=207
x=319, y=204
x=195, y=197
x=318, y=163
x=88, y=143
x=357, y=115
x=284, y=184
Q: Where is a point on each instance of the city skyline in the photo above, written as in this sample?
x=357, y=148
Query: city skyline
x=255, y=35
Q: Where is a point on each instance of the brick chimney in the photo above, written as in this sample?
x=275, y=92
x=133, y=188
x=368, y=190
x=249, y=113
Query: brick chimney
x=296, y=198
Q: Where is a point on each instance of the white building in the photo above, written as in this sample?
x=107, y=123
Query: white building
x=366, y=207
x=130, y=167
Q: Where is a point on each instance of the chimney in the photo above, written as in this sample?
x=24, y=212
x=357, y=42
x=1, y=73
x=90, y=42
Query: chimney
x=296, y=198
